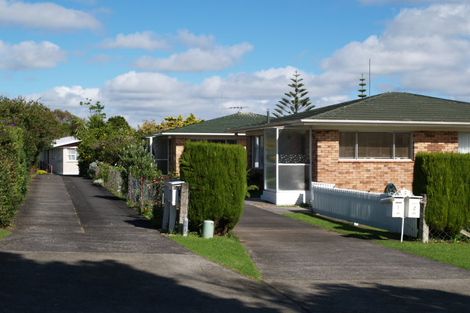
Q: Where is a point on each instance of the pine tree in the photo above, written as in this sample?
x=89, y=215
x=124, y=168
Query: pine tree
x=362, y=87
x=296, y=100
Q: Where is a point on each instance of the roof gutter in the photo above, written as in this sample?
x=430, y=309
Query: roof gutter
x=198, y=134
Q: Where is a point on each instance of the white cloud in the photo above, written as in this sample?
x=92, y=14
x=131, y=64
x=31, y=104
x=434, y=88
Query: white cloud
x=30, y=55
x=139, y=40
x=197, y=59
x=67, y=98
x=410, y=54
x=425, y=49
x=44, y=15
x=192, y=40
x=151, y=95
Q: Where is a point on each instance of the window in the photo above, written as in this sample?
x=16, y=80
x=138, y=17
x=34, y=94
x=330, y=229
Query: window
x=293, y=146
x=464, y=142
x=72, y=154
x=257, y=147
x=375, y=145
x=161, y=153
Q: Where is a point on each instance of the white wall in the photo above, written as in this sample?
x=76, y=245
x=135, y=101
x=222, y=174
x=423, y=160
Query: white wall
x=69, y=167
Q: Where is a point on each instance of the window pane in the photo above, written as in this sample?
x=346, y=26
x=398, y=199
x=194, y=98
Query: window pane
x=347, y=145
x=160, y=148
x=162, y=165
x=293, y=177
x=72, y=154
x=402, y=146
x=293, y=146
x=375, y=145
x=270, y=166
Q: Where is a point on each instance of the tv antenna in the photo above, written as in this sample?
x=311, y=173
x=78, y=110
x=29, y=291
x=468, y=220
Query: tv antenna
x=238, y=108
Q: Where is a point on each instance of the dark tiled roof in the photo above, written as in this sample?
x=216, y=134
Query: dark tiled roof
x=222, y=124
x=390, y=106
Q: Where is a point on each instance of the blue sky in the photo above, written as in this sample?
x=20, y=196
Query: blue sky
x=150, y=59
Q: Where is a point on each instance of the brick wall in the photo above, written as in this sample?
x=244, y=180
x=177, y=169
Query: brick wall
x=372, y=175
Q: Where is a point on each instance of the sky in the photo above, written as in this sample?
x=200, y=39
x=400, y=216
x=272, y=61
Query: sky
x=146, y=60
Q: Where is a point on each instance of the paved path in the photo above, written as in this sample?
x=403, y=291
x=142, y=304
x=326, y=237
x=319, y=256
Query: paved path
x=76, y=248
x=328, y=272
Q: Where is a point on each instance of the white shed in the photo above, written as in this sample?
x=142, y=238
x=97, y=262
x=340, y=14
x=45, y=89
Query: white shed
x=62, y=158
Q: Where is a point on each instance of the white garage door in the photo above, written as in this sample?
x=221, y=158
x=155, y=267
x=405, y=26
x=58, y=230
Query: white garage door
x=464, y=142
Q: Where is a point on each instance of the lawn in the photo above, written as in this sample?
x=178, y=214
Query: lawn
x=4, y=233
x=454, y=253
x=224, y=250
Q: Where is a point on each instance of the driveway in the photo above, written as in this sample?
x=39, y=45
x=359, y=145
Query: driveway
x=327, y=272
x=76, y=248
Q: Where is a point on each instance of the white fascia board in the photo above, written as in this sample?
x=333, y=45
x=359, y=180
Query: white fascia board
x=200, y=134
x=66, y=144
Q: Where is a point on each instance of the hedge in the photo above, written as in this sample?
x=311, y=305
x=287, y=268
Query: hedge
x=445, y=178
x=13, y=172
x=216, y=174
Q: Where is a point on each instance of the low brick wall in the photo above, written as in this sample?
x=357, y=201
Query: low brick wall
x=372, y=175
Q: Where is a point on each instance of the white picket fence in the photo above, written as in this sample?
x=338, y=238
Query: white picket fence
x=358, y=206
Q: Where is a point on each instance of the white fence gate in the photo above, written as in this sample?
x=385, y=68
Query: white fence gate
x=358, y=206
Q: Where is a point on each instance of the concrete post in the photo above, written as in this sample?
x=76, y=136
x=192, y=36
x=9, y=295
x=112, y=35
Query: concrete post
x=183, y=205
x=423, y=227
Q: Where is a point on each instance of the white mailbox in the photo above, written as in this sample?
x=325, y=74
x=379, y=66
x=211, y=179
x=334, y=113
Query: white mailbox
x=412, y=207
x=398, y=207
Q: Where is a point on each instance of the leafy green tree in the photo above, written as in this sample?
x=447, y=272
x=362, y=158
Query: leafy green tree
x=102, y=140
x=13, y=172
x=70, y=123
x=39, y=123
x=151, y=127
x=138, y=162
x=296, y=100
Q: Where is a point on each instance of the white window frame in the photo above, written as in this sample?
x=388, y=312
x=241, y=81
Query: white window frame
x=356, y=147
x=69, y=154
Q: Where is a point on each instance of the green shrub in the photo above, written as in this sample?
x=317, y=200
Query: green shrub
x=13, y=172
x=216, y=174
x=41, y=172
x=445, y=178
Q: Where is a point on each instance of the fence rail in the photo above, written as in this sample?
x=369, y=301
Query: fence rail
x=366, y=208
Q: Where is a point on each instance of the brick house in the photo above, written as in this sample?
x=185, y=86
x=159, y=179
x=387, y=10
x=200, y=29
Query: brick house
x=168, y=146
x=361, y=144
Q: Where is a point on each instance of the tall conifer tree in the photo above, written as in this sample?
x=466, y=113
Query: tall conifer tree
x=296, y=100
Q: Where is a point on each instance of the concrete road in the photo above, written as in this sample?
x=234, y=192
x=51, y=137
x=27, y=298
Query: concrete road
x=327, y=272
x=76, y=248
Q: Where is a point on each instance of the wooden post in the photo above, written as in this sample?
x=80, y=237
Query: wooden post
x=423, y=227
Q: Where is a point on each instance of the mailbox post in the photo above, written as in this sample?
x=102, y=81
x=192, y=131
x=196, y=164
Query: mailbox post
x=175, y=199
x=408, y=206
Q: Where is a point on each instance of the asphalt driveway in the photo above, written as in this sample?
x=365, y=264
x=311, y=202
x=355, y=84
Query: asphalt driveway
x=324, y=271
x=76, y=248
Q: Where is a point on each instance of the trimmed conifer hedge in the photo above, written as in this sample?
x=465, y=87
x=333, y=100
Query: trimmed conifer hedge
x=13, y=172
x=445, y=178
x=216, y=174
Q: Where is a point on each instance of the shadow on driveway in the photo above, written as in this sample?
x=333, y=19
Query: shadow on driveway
x=111, y=286
x=100, y=287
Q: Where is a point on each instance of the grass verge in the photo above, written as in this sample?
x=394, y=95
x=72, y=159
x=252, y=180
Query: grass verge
x=4, y=233
x=224, y=250
x=454, y=253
